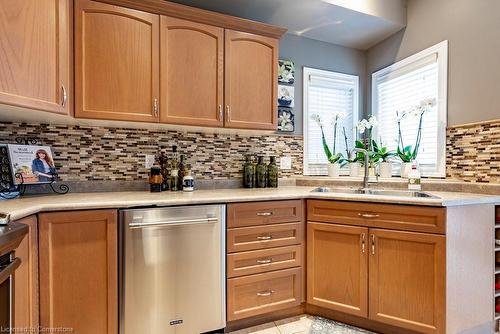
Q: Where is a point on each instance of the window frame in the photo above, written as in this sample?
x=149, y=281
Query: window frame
x=307, y=71
x=441, y=49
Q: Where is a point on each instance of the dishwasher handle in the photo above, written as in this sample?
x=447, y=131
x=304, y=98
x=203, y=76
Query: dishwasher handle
x=138, y=225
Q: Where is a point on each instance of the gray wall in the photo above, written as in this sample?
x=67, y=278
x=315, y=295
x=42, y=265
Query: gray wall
x=325, y=56
x=472, y=28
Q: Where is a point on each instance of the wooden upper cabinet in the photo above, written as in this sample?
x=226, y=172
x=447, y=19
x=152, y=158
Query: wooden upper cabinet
x=337, y=267
x=116, y=62
x=251, y=79
x=78, y=271
x=407, y=280
x=35, y=54
x=192, y=65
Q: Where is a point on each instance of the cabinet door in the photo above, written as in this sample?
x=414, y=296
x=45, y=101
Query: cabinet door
x=407, y=280
x=192, y=57
x=337, y=267
x=116, y=62
x=35, y=58
x=26, y=278
x=78, y=271
x=251, y=79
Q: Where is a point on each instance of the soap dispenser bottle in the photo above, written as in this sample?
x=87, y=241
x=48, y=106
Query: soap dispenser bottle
x=414, y=178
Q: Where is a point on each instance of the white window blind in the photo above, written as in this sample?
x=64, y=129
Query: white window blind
x=404, y=85
x=327, y=94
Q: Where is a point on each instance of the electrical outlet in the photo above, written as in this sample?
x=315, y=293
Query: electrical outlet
x=286, y=163
x=149, y=161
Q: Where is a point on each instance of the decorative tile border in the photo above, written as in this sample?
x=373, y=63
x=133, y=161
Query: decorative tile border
x=473, y=152
x=94, y=153
x=100, y=153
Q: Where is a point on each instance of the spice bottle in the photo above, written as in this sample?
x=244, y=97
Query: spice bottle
x=155, y=179
x=182, y=171
x=272, y=173
x=261, y=173
x=248, y=172
x=174, y=170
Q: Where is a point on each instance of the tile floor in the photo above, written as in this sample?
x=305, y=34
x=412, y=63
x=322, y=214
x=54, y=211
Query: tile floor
x=301, y=325
x=295, y=325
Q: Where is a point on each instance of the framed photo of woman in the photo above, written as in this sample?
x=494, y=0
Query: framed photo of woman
x=33, y=162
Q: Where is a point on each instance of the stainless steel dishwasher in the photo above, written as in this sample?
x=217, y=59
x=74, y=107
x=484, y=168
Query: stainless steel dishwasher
x=172, y=270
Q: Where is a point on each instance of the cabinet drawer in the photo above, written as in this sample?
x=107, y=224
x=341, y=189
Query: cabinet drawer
x=260, y=261
x=260, y=213
x=267, y=236
x=262, y=293
x=390, y=216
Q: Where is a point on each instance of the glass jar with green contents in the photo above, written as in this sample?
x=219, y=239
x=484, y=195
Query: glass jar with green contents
x=272, y=174
x=261, y=173
x=248, y=172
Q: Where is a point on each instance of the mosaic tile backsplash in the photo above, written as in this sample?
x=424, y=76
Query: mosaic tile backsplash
x=117, y=154
x=473, y=152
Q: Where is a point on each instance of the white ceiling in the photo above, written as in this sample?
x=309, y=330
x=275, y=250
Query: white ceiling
x=357, y=24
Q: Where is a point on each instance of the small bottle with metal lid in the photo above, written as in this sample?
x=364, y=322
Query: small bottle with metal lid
x=261, y=173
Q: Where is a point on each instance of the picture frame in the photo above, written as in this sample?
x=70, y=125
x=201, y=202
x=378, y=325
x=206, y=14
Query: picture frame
x=31, y=164
x=286, y=72
x=286, y=119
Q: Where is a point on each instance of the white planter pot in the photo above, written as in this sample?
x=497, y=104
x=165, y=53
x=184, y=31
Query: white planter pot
x=354, y=169
x=334, y=170
x=405, y=169
x=385, y=169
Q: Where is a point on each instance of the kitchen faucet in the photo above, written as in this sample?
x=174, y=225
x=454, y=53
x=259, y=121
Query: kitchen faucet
x=366, y=164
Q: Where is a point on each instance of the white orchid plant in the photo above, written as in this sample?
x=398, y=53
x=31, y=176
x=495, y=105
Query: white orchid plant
x=409, y=153
x=365, y=128
x=331, y=155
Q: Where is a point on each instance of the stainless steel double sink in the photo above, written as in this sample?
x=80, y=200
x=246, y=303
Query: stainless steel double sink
x=382, y=192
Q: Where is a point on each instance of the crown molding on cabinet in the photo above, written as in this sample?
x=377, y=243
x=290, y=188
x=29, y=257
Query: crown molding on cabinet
x=202, y=16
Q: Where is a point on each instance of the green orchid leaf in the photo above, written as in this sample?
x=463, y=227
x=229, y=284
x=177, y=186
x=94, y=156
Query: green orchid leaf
x=328, y=153
x=359, y=144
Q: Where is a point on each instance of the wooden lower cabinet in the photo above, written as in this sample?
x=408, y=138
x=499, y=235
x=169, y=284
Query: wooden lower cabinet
x=26, y=278
x=262, y=293
x=407, y=280
x=78, y=271
x=396, y=278
x=337, y=267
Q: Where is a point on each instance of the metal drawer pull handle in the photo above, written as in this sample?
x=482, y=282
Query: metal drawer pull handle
x=373, y=244
x=368, y=215
x=264, y=261
x=265, y=293
x=264, y=237
x=363, y=248
x=64, y=96
x=172, y=223
x=264, y=213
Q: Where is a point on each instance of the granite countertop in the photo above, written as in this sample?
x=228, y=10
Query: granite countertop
x=22, y=207
x=11, y=232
